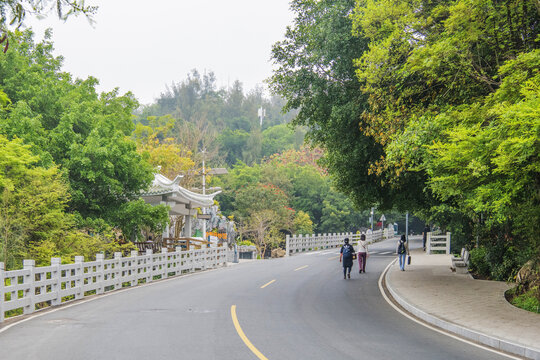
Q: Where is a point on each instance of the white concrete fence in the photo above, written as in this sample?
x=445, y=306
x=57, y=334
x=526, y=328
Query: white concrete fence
x=304, y=243
x=438, y=242
x=57, y=284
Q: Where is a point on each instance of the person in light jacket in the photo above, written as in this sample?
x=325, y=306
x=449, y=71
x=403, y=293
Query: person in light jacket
x=362, y=253
x=402, y=252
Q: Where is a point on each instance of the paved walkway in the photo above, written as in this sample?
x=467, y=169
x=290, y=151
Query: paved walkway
x=474, y=309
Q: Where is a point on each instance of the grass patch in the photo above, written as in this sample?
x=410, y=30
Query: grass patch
x=526, y=301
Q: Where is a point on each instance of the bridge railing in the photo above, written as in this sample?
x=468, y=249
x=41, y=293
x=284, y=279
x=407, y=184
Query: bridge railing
x=438, y=243
x=304, y=243
x=33, y=288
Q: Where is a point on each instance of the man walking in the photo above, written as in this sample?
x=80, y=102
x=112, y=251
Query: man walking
x=402, y=251
x=424, y=236
x=346, y=257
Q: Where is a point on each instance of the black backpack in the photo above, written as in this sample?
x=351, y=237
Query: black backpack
x=347, y=251
x=401, y=248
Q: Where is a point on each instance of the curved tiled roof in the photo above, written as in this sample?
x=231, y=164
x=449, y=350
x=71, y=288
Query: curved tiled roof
x=164, y=186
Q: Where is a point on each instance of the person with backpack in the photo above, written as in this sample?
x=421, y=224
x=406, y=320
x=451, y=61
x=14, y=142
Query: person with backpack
x=424, y=236
x=402, y=251
x=362, y=253
x=346, y=257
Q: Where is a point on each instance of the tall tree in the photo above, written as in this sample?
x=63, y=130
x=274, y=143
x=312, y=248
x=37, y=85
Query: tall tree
x=13, y=13
x=315, y=74
x=69, y=125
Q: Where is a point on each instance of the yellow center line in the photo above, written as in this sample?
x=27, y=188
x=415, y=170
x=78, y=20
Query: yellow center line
x=243, y=336
x=302, y=267
x=268, y=283
x=333, y=258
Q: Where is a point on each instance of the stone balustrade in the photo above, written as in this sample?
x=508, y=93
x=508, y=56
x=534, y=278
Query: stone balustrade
x=304, y=243
x=33, y=288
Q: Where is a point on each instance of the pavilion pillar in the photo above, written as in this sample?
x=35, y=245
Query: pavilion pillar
x=187, y=226
x=166, y=232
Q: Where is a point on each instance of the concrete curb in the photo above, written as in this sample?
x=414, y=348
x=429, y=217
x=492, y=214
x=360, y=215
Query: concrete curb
x=488, y=340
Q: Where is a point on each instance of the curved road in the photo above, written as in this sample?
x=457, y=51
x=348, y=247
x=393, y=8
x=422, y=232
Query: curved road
x=307, y=312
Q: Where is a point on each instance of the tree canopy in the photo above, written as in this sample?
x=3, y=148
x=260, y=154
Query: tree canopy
x=425, y=106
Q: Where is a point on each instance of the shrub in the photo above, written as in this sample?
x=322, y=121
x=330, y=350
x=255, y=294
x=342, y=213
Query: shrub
x=478, y=263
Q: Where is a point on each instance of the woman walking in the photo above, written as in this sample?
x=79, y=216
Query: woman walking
x=402, y=251
x=362, y=253
x=346, y=257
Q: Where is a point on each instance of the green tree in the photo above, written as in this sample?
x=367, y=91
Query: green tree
x=233, y=143
x=315, y=74
x=66, y=123
x=302, y=223
x=13, y=13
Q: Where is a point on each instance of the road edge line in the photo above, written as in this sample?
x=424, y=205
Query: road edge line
x=430, y=321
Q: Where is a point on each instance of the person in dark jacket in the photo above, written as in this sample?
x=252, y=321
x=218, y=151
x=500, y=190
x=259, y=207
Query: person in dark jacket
x=402, y=251
x=346, y=257
x=424, y=236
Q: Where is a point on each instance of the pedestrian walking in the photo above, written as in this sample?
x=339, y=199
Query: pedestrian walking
x=424, y=236
x=402, y=251
x=362, y=253
x=346, y=258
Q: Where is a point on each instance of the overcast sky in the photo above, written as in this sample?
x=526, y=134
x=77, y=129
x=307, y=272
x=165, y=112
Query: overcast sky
x=144, y=45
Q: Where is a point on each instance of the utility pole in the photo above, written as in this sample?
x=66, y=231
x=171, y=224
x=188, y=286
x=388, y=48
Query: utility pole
x=204, y=192
x=407, y=227
x=371, y=218
x=261, y=113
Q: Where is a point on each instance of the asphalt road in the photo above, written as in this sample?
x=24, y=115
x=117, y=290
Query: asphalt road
x=307, y=312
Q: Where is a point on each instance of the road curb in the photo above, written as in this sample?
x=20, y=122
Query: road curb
x=475, y=336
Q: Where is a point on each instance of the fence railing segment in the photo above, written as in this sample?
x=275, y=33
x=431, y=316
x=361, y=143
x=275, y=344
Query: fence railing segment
x=33, y=288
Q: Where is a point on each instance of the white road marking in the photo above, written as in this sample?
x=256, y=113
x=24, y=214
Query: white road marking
x=432, y=327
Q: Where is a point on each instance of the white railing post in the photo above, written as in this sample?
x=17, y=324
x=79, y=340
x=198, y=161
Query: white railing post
x=148, y=265
x=428, y=243
x=29, y=278
x=117, y=270
x=2, y=284
x=164, y=263
x=100, y=270
x=56, y=274
x=448, y=238
x=134, y=267
x=179, y=261
x=78, y=277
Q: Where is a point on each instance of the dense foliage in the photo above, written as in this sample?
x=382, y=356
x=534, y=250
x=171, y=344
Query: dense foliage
x=426, y=106
x=79, y=143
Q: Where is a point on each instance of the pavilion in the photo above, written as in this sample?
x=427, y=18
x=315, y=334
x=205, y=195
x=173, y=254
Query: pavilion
x=181, y=201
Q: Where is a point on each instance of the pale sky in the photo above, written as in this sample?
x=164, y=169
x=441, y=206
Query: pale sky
x=142, y=46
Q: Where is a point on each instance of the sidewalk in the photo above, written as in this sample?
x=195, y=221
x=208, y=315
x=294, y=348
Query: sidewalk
x=474, y=309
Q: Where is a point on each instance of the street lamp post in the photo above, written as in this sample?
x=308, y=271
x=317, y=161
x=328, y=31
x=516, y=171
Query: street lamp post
x=407, y=227
x=371, y=218
x=204, y=193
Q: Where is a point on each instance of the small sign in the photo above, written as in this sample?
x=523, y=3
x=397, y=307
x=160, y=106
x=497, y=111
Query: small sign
x=204, y=216
x=382, y=218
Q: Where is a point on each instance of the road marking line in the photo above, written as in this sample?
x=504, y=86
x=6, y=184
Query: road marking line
x=333, y=258
x=268, y=283
x=426, y=324
x=302, y=267
x=243, y=336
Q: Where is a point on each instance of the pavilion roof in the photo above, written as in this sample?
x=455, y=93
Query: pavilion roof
x=161, y=185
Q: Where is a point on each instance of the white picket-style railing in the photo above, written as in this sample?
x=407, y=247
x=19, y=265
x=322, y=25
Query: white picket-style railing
x=304, y=243
x=438, y=242
x=57, y=284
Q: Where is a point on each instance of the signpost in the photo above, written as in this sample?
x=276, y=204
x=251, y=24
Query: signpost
x=382, y=220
